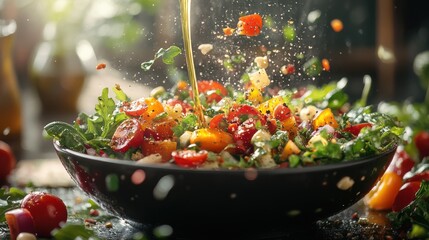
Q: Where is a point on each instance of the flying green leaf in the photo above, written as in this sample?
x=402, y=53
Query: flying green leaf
x=167, y=56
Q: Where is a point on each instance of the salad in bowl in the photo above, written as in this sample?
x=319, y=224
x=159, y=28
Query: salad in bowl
x=288, y=128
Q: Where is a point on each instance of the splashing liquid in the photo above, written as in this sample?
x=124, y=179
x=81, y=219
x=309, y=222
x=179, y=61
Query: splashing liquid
x=185, y=10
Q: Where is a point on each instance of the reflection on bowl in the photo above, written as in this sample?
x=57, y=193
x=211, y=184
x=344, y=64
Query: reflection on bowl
x=222, y=199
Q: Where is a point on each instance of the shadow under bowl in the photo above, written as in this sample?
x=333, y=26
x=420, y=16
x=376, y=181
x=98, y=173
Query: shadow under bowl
x=217, y=199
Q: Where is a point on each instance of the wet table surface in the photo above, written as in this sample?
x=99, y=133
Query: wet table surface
x=356, y=222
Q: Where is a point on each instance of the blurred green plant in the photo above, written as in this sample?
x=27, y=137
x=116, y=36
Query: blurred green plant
x=108, y=22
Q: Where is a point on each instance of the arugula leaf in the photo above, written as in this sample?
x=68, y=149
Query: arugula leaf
x=72, y=231
x=9, y=199
x=167, y=56
x=188, y=123
x=68, y=136
x=416, y=213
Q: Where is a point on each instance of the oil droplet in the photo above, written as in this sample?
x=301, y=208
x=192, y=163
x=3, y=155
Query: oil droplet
x=138, y=177
x=112, y=182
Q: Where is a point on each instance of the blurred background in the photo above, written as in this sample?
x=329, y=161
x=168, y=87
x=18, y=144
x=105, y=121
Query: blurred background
x=57, y=45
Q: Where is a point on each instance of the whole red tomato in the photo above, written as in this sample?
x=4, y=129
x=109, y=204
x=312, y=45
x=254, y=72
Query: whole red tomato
x=7, y=161
x=421, y=140
x=48, y=212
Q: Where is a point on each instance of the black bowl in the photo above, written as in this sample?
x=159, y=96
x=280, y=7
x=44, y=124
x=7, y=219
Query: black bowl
x=222, y=199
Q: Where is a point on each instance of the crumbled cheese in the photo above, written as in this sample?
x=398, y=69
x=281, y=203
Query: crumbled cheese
x=151, y=159
x=259, y=78
x=345, y=183
x=261, y=62
x=205, y=48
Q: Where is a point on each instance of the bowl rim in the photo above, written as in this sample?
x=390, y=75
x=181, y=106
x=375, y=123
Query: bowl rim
x=174, y=168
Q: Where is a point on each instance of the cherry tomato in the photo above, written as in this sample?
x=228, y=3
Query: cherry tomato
x=401, y=163
x=219, y=122
x=421, y=140
x=241, y=112
x=128, y=134
x=249, y=25
x=148, y=108
x=213, y=90
x=406, y=194
x=355, y=129
x=244, y=134
x=189, y=158
x=282, y=112
x=382, y=196
x=19, y=220
x=135, y=108
x=7, y=161
x=48, y=212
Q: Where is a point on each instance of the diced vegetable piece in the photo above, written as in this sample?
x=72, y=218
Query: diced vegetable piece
x=268, y=106
x=356, y=128
x=164, y=148
x=249, y=25
x=210, y=139
x=19, y=221
x=259, y=78
x=289, y=149
x=325, y=117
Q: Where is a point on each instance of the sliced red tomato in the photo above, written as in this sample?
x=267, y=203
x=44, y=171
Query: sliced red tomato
x=48, y=212
x=241, y=112
x=128, y=134
x=135, y=108
x=19, y=221
x=213, y=90
x=148, y=108
x=421, y=140
x=356, y=128
x=7, y=161
x=282, y=112
x=249, y=25
x=406, y=194
x=219, y=122
x=189, y=158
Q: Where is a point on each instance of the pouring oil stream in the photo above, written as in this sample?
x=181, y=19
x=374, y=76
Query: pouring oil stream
x=185, y=10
